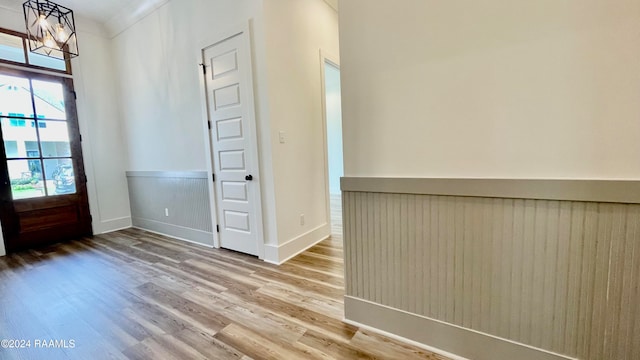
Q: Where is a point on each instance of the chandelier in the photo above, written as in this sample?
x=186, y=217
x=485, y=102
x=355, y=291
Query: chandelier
x=51, y=29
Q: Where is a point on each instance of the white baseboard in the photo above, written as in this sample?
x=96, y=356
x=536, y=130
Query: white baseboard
x=279, y=254
x=174, y=231
x=174, y=237
x=448, y=355
x=440, y=336
x=112, y=225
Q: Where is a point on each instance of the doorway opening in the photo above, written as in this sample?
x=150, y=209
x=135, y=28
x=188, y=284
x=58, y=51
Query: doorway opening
x=333, y=128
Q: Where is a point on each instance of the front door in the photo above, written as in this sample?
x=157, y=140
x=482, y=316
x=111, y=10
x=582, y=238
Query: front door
x=234, y=145
x=43, y=191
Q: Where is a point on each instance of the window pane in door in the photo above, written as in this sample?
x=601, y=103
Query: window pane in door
x=54, y=139
x=15, y=97
x=11, y=48
x=60, y=176
x=49, y=99
x=26, y=179
x=20, y=139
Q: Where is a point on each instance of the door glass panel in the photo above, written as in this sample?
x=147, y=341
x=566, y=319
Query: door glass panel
x=54, y=139
x=11, y=48
x=20, y=138
x=60, y=176
x=38, y=148
x=26, y=179
x=49, y=99
x=15, y=97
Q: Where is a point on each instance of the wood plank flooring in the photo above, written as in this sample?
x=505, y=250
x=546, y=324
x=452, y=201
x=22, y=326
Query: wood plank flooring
x=136, y=295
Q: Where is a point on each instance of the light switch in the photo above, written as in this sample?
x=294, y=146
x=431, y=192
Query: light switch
x=281, y=135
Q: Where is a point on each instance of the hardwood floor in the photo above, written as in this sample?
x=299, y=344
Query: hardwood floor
x=136, y=295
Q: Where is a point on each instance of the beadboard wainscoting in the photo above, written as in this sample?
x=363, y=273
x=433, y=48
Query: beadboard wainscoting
x=548, y=270
x=172, y=203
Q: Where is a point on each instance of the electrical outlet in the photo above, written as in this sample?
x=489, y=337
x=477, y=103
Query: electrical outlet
x=301, y=219
x=166, y=212
x=282, y=137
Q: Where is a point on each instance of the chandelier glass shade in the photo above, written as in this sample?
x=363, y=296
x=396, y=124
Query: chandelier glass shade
x=51, y=29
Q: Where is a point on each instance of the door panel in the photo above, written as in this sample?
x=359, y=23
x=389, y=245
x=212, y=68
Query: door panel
x=229, y=129
x=227, y=97
x=223, y=64
x=234, y=191
x=234, y=144
x=232, y=160
x=43, y=192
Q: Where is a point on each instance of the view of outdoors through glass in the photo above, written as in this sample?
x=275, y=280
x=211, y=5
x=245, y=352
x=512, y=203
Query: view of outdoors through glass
x=36, y=137
x=12, y=49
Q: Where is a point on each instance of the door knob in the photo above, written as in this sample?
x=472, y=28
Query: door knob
x=248, y=177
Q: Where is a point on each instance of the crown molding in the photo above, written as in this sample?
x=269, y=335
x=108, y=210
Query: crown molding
x=131, y=14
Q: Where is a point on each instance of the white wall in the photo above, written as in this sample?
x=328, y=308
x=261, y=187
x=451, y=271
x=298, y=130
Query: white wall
x=296, y=31
x=533, y=89
x=103, y=146
x=159, y=93
x=98, y=118
x=334, y=127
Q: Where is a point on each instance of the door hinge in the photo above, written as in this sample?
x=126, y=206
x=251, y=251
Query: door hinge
x=90, y=218
x=75, y=95
x=204, y=69
x=217, y=228
x=209, y=124
x=214, y=177
x=80, y=137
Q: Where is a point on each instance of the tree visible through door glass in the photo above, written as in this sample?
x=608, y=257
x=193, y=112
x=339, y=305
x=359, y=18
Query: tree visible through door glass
x=26, y=178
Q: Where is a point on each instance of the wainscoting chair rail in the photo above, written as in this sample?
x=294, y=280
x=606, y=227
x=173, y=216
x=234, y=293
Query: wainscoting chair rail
x=611, y=191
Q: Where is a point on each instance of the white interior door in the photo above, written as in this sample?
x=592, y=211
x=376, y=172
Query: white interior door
x=233, y=142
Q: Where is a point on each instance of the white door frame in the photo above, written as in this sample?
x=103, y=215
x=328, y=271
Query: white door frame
x=208, y=42
x=332, y=60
